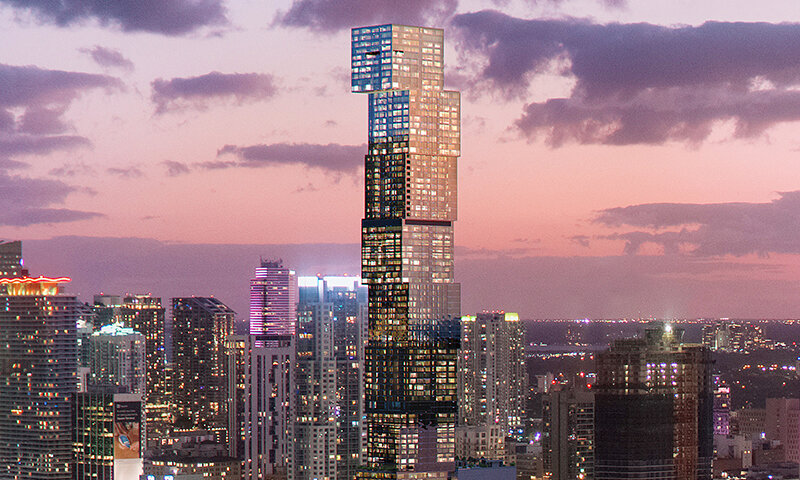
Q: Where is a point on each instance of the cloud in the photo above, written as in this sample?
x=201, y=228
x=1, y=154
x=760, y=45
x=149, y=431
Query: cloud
x=332, y=157
x=174, y=168
x=33, y=101
x=39, y=145
x=72, y=169
x=168, y=17
x=582, y=240
x=712, y=229
x=334, y=15
x=129, y=172
x=28, y=201
x=638, y=83
x=178, y=93
x=108, y=57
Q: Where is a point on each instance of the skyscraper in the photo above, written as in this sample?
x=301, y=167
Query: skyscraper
x=328, y=438
x=492, y=380
x=118, y=359
x=273, y=300
x=38, y=364
x=654, y=408
x=407, y=250
x=269, y=406
x=568, y=433
x=200, y=326
x=145, y=315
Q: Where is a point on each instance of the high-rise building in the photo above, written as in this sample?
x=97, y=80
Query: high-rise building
x=118, y=359
x=492, y=380
x=407, y=250
x=200, y=326
x=107, y=434
x=269, y=400
x=38, y=364
x=722, y=407
x=568, y=434
x=11, y=264
x=654, y=408
x=273, y=300
x=237, y=349
x=144, y=314
x=268, y=406
x=328, y=433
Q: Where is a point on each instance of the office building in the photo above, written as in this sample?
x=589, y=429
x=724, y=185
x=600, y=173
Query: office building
x=268, y=406
x=273, y=300
x=118, y=359
x=654, y=408
x=492, y=380
x=783, y=425
x=328, y=438
x=568, y=433
x=407, y=250
x=108, y=434
x=200, y=326
x=11, y=264
x=38, y=365
x=146, y=315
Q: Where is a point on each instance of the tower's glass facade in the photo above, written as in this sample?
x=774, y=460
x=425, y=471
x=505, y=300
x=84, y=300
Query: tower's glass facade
x=407, y=251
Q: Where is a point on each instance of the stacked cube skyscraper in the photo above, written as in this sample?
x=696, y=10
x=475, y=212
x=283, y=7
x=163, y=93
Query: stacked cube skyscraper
x=407, y=251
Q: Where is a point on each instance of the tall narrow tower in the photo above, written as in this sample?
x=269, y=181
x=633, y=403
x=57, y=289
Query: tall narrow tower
x=407, y=251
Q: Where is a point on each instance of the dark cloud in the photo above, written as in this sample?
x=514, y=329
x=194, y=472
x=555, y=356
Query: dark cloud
x=29, y=201
x=179, y=93
x=33, y=86
x=128, y=172
x=32, y=106
x=39, y=145
x=333, y=15
x=331, y=157
x=582, y=240
x=168, y=17
x=712, y=229
x=108, y=57
x=43, y=121
x=175, y=168
x=639, y=83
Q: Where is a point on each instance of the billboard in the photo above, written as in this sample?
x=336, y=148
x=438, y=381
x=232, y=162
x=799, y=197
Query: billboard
x=127, y=439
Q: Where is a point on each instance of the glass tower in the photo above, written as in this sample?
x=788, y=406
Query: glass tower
x=407, y=251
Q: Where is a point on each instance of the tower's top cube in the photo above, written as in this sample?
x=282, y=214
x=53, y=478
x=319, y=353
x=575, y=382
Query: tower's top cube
x=396, y=57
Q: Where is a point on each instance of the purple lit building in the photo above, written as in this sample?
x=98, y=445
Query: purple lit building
x=273, y=300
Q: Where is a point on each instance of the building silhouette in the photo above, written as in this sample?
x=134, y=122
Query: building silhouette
x=568, y=433
x=407, y=250
x=200, y=326
x=654, y=408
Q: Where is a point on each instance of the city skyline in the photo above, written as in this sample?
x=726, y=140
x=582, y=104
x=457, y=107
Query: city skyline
x=124, y=117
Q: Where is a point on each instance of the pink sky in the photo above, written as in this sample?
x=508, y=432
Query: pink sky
x=217, y=122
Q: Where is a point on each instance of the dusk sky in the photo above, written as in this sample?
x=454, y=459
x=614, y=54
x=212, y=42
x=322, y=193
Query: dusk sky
x=620, y=158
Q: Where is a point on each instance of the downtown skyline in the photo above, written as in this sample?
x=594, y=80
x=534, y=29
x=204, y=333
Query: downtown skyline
x=590, y=148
